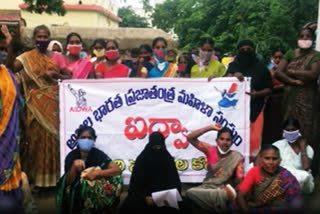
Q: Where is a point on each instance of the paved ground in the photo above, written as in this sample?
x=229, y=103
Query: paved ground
x=45, y=200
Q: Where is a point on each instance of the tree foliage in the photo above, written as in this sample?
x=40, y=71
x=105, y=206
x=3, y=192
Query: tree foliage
x=131, y=19
x=47, y=6
x=269, y=23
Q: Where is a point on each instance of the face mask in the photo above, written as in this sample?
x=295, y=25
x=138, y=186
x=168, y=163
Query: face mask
x=223, y=152
x=205, y=57
x=291, y=136
x=74, y=49
x=85, y=145
x=112, y=54
x=160, y=54
x=3, y=57
x=245, y=58
x=305, y=44
x=99, y=53
x=182, y=68
x=42, y=45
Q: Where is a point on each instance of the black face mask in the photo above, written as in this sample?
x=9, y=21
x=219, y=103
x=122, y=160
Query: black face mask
x=246, y=58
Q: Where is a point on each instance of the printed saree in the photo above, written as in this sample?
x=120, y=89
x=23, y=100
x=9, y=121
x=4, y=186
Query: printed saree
x=221, y=172
x=85, y=196
x=40, y=149
x=10, y=170
x=303, y=102
x=275, y=194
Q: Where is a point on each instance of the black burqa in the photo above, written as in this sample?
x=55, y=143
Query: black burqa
x=248, y=65
x=154, y=170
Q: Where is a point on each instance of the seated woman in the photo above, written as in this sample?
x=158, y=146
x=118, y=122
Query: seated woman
x=225, y=170
x=296, y=155
x=154, y=170
x=91, y=183
x=269, y=188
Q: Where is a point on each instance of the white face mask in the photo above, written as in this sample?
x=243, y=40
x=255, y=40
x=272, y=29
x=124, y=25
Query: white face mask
x=291, y=136
x=305, y=44
x=223, y=152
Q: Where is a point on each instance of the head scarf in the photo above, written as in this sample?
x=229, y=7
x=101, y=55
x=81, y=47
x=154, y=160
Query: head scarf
x=52, y=43
x=246, y=42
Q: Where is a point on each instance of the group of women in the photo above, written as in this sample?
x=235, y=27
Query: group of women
x=38, y=71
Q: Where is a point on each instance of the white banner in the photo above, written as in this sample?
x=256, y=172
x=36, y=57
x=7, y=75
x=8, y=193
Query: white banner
x=125, y=111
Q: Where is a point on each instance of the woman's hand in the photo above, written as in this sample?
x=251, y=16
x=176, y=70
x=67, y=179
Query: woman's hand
x=239, y=76
x=252, y=94
x=79, y=165
x=149, y=201
x=302, y=144
x=295, y=82
x=216, y=126
x=211, y=77
x=6, y=33
x=92, y=175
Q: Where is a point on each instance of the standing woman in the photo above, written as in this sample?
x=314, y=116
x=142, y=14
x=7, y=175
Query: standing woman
x=10, y=169
x=162, y=68
x=99, y=52
x=39, y=76
x=111, y=68
x=80, y=68
x=299, y=70
x=145, y=63
x=207, y=66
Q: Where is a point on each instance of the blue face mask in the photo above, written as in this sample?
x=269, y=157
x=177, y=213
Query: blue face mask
x=85, y=145
x=291, y=136
x=3, y=57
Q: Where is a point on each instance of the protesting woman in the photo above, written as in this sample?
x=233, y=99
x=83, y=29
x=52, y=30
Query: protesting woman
x=39, y=75
x=91, y=183
x=225, y=171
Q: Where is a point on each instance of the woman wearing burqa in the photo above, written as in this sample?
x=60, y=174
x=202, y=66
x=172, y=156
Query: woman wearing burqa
x=154, y=170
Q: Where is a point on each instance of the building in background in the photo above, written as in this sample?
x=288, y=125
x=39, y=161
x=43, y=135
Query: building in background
x=80, y=13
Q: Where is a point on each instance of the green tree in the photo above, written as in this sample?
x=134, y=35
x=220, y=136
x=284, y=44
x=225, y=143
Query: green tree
x=131, y=19
x=269, y=23
x=47, y=6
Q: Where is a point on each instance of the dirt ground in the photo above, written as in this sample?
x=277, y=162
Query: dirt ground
x=45, y=200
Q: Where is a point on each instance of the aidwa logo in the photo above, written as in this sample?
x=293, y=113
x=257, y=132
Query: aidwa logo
x=81, y=101
x=228, y=99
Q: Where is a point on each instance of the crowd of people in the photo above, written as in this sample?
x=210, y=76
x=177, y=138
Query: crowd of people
x=284, y=158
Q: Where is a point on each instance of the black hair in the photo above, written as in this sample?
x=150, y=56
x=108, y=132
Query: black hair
x=102, y=42
x=134, y=51
x=266, y=147
x=185, y=56
x=291, y=121
x=114, y=42
x=224, y=130
x=73, y=34
x=206, y=40
x=41, y=27
x=146, y=47
x=311, y=31
x=89, y=129
x=159, y=39
x=277, y=50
